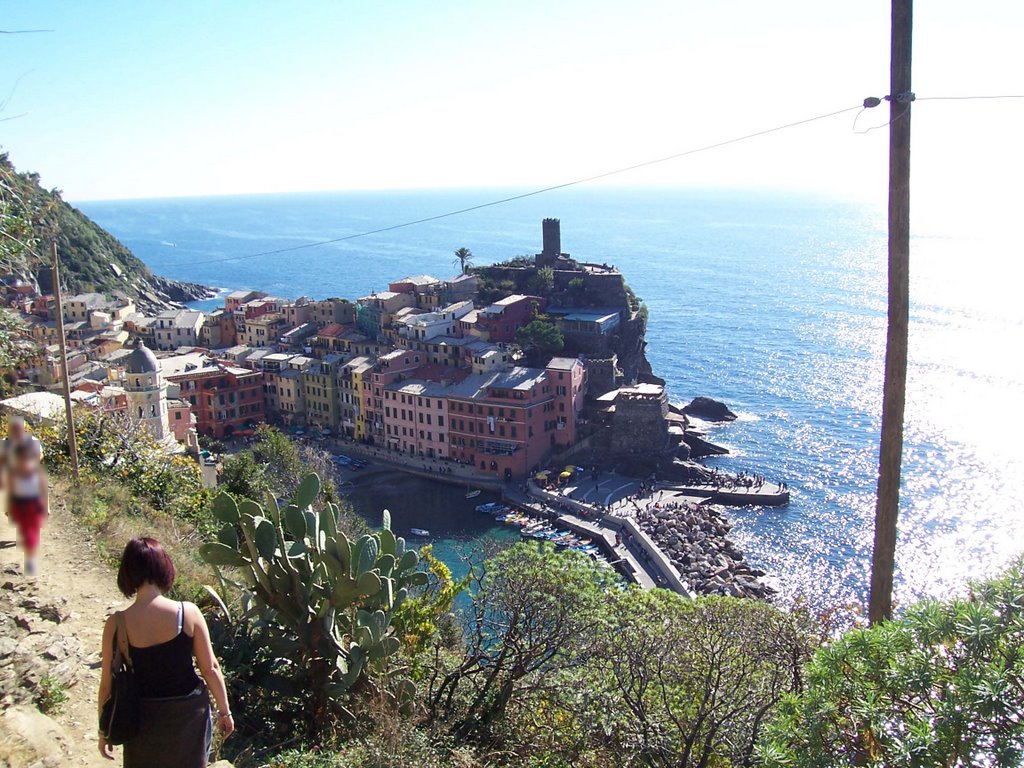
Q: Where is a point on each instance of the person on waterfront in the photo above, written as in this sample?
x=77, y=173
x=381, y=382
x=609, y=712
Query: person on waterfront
x=28, y=499
x=165, y=638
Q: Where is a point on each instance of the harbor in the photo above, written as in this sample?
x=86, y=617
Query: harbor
x=655, y=534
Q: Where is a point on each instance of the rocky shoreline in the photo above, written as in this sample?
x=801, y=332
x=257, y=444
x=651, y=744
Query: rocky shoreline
x=695, y=539
x=155, y=293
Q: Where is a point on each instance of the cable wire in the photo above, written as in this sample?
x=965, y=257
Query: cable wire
x=533, y=193
x=970, y=98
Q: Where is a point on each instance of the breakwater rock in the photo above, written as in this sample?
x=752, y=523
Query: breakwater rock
x=695, y=539
x=709, y=410
x=699, y=447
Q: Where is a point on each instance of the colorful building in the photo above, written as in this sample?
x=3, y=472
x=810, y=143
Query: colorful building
x=225, y=399
x=415, y=415
x=499, y=321
x=320, y=390
x=510, y=422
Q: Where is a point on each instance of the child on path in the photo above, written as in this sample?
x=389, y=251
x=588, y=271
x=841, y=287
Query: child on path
x=28, y=500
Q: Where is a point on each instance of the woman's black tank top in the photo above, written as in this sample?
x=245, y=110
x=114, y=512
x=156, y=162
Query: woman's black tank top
x=166, y=669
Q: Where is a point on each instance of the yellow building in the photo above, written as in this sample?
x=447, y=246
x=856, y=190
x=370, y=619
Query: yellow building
x=320, y=391
x=362, y=381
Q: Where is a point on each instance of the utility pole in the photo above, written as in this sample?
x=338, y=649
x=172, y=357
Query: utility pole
x=895, y=390
x=65, y=379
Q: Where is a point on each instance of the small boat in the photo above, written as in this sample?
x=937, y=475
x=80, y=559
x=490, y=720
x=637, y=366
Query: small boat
x=419, y=531
x=473, y=493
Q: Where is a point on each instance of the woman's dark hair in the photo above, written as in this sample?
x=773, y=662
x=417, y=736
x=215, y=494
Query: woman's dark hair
x=144, y=560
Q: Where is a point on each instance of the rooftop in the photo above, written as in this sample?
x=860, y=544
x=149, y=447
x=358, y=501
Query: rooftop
x=38, y=405
x=332, y=331
x=380, y=295
x=518, y=378
x=175, y=364
x=419, y=280
x=419, y=387
x=563, y=363
x=587, y=314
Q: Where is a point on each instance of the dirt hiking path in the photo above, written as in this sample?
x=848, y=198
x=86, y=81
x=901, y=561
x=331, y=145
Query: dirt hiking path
x=77, y=589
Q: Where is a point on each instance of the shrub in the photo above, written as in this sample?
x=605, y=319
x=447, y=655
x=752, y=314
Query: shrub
x=940, y=686
x=51, y=695
x=322, y=604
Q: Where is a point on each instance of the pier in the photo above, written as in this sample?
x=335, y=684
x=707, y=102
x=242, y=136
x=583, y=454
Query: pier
x=640, y=559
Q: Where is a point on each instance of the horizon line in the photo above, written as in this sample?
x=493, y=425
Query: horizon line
x=781, y=190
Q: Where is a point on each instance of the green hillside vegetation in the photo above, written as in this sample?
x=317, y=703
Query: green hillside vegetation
x=31, y=216
x=346, y=647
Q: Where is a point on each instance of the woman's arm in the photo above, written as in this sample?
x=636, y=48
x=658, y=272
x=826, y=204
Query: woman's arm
x=209, y=668
x=105, y=678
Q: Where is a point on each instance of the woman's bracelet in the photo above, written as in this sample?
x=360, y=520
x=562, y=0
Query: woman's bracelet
x=222, y=715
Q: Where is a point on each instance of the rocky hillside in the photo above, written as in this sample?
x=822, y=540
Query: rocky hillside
x=91, y=258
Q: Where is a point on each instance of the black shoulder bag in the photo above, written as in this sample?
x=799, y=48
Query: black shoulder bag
x=119, y=720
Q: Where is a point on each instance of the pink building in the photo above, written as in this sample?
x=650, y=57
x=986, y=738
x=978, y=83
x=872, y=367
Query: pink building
x=236, y=299
x=508, y=423
x=415, y=416
x=180, y=418
x=568, y=381
x=499, y=321
x=392, y=367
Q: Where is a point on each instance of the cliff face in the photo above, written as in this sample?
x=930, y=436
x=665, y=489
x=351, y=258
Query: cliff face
x=91, y=258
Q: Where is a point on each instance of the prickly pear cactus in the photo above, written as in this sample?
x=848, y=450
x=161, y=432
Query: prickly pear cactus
x=328, y=601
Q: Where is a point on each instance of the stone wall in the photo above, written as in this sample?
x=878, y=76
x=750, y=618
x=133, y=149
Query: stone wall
x=639, y=428
x=603, y=374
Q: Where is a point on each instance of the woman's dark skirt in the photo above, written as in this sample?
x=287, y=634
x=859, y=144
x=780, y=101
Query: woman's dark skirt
x=175, y=733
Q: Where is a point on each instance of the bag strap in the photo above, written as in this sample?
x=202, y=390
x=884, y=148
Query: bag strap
x=121, y=635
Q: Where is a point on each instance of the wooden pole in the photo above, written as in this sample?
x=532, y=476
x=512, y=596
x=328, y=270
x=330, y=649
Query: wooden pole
x=65, y=378
x=895, y=388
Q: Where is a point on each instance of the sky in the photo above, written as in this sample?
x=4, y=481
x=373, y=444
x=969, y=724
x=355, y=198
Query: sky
x=129, y=99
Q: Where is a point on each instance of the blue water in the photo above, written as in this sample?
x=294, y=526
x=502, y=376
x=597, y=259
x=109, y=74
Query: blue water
x=773, y=302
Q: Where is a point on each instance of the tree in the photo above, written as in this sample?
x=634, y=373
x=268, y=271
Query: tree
x=540, y=337
x=277, y=464
x=464, y=260
x=942, y=685
x=116, y=446
x=541, y=282
x=531, y=611
x=693, y=682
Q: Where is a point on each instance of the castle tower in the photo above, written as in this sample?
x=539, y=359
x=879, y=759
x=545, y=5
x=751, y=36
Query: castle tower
x=552, y=233
x=146, y=391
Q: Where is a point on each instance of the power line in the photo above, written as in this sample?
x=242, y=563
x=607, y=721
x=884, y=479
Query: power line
x=512, y=198
x=606, y=174
x=971, y=98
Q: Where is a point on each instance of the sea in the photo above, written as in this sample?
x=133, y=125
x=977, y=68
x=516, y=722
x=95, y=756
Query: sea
x=774, y=302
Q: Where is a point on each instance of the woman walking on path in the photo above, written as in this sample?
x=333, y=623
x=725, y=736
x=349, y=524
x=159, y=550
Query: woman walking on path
x=28, y=503
x=163, y=638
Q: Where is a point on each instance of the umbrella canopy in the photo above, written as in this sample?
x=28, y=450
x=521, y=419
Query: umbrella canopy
x=541, y=475
x=566, y=474
x=570, y=468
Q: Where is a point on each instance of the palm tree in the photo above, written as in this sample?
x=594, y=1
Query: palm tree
x=464, y=260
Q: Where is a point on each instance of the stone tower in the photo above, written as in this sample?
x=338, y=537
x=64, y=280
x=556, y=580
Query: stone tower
x=146, y=391
x=552, y=233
